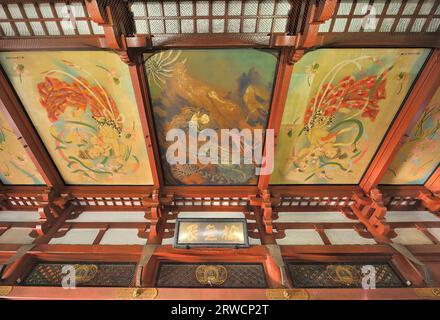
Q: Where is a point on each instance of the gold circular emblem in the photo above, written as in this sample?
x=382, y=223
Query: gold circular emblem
x=5, y=290
x=213, y=275
x=436, y=292
x=85, y=272
x=346, y=275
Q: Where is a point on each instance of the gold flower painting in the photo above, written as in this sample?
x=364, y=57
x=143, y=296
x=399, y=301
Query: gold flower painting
x=212, y=89
x=340, y=105
x=83, y=107
x=16, y=166
x=420, y=154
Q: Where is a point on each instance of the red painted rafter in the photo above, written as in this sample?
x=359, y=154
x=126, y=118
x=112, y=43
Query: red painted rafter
x=433, y=183
x=140, y=93
x=431, y=197
x=281, y=90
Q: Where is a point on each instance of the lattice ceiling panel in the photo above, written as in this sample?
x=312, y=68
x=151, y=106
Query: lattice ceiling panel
x=26, y=19
x=186, y=17
x=394, y=16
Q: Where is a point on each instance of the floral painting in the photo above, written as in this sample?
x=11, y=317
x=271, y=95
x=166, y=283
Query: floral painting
x=340, y=105
x=16, y=166
x=83, y=107
x=420, y=154
x=210, y=89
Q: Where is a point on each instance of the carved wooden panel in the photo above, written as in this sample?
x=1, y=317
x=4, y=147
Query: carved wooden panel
x=86, y=274
x=193, y=275
x=340, y=275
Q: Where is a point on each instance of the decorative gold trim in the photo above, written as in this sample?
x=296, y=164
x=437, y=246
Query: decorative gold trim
x=287, y=294
x=85, y=272
x=5, y=290
x=428, y=292
x=137, y=293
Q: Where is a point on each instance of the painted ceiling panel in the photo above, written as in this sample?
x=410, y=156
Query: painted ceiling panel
x=84, y=109
x=420, y=155
x=340, y=104
x=16, y=166
x=210, y=89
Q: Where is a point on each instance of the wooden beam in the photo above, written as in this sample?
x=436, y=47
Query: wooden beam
x=109, y=191
x=314, y=191
x=433, y=183
x=279, y=98
x=143, y=105
x=117, y=22
x=378, y=40
x=11, y=106
x=421, y=94
x=51, y=43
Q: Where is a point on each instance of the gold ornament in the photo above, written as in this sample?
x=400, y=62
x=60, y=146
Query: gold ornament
x=5, y=290
x=287, y=294
x=85, y=272
x=428, y=292
x=137, y=293
x=211, y=274
x=345, y=275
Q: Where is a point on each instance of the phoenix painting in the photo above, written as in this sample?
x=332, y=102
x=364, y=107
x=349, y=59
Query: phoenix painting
x=83, y=107
x=340, y=105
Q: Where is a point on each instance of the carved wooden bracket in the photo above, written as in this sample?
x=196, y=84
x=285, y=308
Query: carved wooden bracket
x=279, y=234
x=61, y=232
x=143, y=233
x=430, y=201
x=116, y=19
x=51, y=206
x=348, y=213
x=370, y=210
x=363, y=232
x=300, y=42
x=157, y=208
x=265, y=202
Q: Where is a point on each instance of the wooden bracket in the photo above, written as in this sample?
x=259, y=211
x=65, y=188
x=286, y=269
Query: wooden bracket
x=430, y=201
x=50, y=207
x=302, y=41
x=371, y=211
x=348, y=213
x=61, y=232
x=265, y=202
x=155, y=214
x=113, y=17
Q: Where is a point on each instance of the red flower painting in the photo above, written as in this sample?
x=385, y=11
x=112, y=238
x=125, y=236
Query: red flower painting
x=56, y=95
x=349, y=93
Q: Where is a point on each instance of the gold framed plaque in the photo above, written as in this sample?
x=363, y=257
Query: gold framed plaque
x=208, y=232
